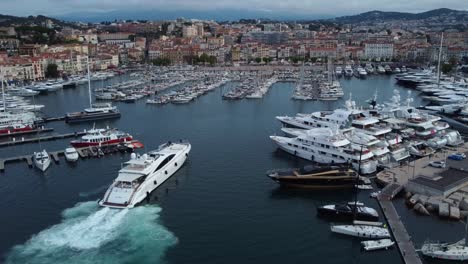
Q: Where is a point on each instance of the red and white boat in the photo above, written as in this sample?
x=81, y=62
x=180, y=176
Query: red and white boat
x=100, y=137
x=15, y=128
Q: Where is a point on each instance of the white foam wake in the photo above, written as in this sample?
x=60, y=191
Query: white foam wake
x=89, y=234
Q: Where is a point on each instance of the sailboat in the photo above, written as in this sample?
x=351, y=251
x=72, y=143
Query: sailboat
x=448, y=251
x=95, y=111
x=41, y=160
x=358, y=228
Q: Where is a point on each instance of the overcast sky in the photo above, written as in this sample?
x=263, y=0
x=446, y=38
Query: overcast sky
x=314, y=7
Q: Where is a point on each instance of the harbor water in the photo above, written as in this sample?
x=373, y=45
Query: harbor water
x=218, y=208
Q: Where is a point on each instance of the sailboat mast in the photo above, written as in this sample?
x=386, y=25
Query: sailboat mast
x=356, y=185
x=89, y=84
x=440, y=57
x=3, y=95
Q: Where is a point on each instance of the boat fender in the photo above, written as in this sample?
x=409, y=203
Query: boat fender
x=295, y=152
x=175, y=164
x=165, y=172
x=186, y=154
x=155, y=182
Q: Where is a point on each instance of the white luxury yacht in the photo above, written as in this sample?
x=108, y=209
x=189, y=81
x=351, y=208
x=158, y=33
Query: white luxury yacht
x=324, y=145
x=142, y=174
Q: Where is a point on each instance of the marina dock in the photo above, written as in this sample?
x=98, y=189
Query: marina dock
x=37, y=139
x=401, y=236
x=84, y=153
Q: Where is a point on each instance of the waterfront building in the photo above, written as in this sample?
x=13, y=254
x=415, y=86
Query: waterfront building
x=378, y=50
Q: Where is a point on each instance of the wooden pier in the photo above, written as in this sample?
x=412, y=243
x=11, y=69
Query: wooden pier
x=37, y=139
x=403, y=240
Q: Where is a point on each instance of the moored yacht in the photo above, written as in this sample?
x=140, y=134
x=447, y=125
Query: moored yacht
x=348, y=212
x=323, y=145
x=142, y=174
x=316, y=177
x=101, y=137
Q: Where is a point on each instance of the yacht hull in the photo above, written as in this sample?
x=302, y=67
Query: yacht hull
x=152, y=182
x=366, y=168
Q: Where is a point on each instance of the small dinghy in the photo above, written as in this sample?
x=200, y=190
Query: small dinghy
x=370, y=245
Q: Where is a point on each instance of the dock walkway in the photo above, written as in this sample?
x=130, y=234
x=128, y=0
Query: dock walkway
x=402, y=238
x=37, y=139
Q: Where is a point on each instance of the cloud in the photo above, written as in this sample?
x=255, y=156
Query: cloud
x=330, y=7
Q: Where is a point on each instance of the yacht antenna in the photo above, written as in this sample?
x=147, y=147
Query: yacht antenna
x=440, y=56
x=89, y=83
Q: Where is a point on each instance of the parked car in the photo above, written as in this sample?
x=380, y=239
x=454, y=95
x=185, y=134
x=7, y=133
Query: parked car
x=437, y=164
x=457, y=156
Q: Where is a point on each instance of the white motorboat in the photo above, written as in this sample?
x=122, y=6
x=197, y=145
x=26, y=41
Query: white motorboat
x=364, y=231
x=42, y=160
x=348, y=71
x=71, y=154
x=142, y=174
x=447, y=251
x=370, y=245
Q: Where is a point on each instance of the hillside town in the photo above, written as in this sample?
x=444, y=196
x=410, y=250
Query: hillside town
x=27, y=50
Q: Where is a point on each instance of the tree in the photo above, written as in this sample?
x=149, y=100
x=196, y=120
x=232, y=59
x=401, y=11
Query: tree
x=51, y=71
x=162, y=62
x=258, y=60
x=212, y=60
x=446, y=68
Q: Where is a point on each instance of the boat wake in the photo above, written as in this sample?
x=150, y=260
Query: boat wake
x=91, y=234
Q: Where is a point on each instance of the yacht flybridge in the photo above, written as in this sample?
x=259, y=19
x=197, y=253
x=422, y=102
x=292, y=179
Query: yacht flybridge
x=142, y=174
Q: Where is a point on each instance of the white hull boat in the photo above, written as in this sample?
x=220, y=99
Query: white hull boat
x=377, y=244
x=42, y=160
x=455, y=251
x=364, y=231
x=143, y=174
x=71, y=154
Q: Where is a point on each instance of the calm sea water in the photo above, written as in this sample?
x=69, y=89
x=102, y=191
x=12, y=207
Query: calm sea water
x=219, y=208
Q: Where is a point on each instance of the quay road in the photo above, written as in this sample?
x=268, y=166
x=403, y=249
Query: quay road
x=316, y=68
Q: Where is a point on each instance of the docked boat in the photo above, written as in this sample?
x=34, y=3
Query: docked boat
x=348, y=212
x=323, y=145
x=447, y=251
x=339, y=71
x=348, y=71
x=143, y=174
x=13, y=128
x=316, y=177
x=363, y=231
x=101, y=137
x=380, y=69
x=41, y=160
x=370, y=245
x=95, y=111
x=71, y=154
